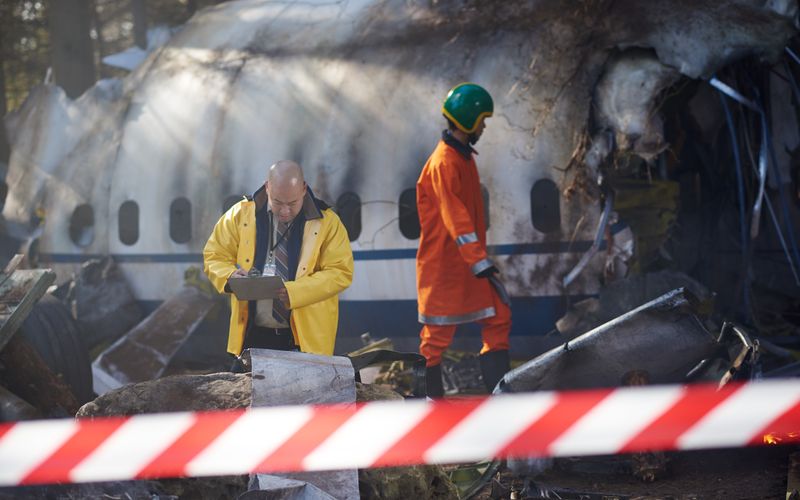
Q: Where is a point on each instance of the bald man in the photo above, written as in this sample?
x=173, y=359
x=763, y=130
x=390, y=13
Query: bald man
x=284, y=230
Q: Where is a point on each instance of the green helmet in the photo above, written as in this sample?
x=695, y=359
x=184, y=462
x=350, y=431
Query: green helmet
x=466, y=104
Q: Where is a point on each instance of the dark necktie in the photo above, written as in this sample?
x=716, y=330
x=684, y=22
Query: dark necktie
x=279, y=311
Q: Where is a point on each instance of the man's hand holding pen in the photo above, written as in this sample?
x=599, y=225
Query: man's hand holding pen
x=282, y=293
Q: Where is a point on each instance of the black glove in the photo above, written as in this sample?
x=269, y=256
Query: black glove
x=489, y=271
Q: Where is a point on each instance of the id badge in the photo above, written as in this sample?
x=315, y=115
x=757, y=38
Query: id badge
x=269, y=269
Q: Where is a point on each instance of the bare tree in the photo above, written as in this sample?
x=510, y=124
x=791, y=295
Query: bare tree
x=72, y=54
x=4, y=147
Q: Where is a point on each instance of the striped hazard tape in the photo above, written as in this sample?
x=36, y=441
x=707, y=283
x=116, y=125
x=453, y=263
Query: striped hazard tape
x=309, y=438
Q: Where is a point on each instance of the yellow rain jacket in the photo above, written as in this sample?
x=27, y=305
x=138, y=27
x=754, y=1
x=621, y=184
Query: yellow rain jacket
x=325, y=269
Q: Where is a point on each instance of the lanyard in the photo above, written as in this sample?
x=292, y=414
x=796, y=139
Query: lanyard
x=272, y=234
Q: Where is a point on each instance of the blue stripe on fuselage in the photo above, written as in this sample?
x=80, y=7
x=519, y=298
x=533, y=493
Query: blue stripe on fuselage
x=389, y=254
x=531, y=316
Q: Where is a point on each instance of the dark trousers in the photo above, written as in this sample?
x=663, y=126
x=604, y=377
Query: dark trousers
x=280, y=339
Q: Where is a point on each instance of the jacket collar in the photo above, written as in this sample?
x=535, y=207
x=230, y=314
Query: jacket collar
x=465, y=149
x=312, y=206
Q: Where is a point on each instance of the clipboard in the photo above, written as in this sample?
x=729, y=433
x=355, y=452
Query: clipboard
x=256, y=287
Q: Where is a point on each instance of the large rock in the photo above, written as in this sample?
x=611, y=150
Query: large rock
x=217, y=391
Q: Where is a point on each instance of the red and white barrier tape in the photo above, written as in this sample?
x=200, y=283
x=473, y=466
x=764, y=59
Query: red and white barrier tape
x=307, y=438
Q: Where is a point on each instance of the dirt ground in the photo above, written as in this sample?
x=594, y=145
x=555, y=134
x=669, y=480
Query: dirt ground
x=738, y=474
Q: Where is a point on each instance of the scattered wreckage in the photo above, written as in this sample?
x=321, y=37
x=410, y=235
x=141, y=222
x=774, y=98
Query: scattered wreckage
x=666, y=340
x=661, y=342
x=580, y=110
x=37, y=331
x=133, y=363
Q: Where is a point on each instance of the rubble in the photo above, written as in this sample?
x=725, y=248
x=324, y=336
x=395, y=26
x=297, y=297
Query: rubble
x=647, y=466
x=427, y=482
x=397, y=376
x=20, y=291
x=662, y=341
x=663, y=337
x=793, y=477
x=368, y=374
x=216, y=391
x=209, y=488
x=376, y=362
x=145, y=351
x=375, y=392
x=13, y=408
x=57, y=339
x=43, y=367
x=650, y=207
x=102, y=302
x=619, y=297
x=461, y=373
x=729, y=474
x=266, y=487
x=220, y=391
x=27, y=376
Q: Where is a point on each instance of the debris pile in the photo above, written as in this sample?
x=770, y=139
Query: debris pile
x=144, y=352
x=43, y=366
x=102, y=302
x=230, y=391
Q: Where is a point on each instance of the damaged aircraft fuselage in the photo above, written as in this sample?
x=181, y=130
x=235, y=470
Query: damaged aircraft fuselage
x=141, y=168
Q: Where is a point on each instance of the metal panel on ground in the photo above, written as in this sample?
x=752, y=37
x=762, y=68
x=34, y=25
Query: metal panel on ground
x=293, y=378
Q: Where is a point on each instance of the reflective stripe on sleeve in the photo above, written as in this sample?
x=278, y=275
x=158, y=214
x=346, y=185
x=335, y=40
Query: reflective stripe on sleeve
x=481, y=265
x=463, y=239
x=457, y=319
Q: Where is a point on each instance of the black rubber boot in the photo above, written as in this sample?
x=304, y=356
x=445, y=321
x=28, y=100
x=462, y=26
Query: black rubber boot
x=433, y=379
x=494, y=364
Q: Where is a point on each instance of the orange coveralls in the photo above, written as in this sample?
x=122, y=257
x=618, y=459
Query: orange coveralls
x=452, y=250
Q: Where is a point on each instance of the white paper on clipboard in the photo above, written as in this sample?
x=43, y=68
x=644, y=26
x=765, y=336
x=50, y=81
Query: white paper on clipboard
x=256, y=287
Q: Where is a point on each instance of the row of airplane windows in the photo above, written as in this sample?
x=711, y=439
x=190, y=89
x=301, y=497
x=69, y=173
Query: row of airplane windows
x=544, y=206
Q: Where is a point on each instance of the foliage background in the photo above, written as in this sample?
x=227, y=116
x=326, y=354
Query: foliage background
x=65, y=41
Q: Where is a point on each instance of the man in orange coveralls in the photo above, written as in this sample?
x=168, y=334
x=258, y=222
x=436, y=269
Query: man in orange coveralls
x=456, y=281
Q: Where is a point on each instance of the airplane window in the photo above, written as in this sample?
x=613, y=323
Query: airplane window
x=348, y=207
x=485, y=196
x=129, y=222
x=545, y=208
x=230, y=201
x=180, y=220
x=81, y=225
x=409, y=218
